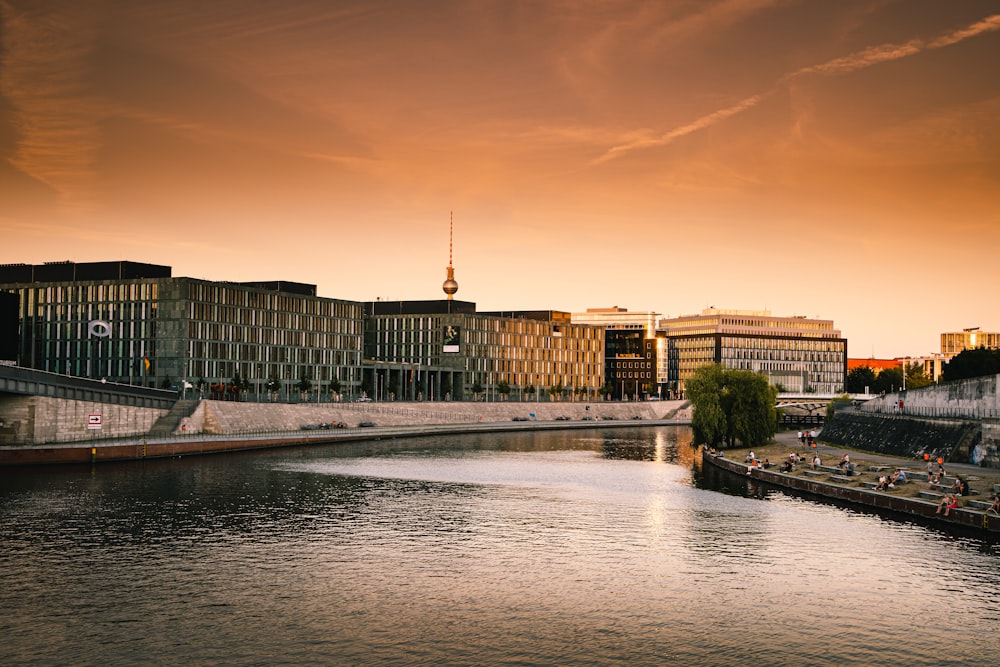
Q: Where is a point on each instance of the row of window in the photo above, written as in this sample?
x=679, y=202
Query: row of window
x=90, y=293
x=274, y=319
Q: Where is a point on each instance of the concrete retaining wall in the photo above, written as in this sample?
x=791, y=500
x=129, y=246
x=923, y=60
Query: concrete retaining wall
x=973, y=398
x=953, y=440
x=37, y=420
x=228, y=418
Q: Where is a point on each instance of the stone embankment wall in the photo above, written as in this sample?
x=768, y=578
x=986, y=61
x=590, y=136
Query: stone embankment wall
x=974, y=398
x=228, y=418
x=909, y=437
x=959, y=421
x=38, y=420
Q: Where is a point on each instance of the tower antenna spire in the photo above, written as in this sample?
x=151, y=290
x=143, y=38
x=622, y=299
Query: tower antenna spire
x=450, y=286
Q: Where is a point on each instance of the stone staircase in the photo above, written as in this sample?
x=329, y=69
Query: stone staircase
x=168, y=423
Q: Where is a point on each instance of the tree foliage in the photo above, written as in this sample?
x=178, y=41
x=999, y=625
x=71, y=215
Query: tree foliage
x=915, y=376
x=731, y=406
x=889, y=380
x=839, y=402
x=972, y=363
x=859, y=379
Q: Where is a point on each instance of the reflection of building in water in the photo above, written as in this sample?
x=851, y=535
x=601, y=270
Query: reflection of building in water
x=796, y=353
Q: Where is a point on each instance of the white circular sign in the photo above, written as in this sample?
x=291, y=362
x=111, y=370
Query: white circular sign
x=99, y=328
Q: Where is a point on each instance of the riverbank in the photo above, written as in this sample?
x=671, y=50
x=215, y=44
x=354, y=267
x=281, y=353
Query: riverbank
x=218, y=427
x=916, y=497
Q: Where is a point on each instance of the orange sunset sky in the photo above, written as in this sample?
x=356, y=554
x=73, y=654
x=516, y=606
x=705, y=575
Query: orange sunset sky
x=838, y=160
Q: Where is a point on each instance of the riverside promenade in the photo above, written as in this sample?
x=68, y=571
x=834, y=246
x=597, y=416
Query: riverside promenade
x=221, y=426
x=916, y=497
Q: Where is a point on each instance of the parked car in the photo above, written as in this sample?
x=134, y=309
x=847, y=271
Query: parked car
x=562, y=418
x=519, y=419
x=366, y=424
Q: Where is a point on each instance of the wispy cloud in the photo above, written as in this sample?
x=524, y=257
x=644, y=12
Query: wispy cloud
x=855, y=61
x=683, y=130
x=41, y=72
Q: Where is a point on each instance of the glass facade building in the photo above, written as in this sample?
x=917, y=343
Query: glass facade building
x=163, y=330
x=797, y=354
x=442, y=349
x=635, y=359
x=968, y=339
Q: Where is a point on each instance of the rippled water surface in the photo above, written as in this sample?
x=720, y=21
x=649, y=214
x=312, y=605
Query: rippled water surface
x=604, y=547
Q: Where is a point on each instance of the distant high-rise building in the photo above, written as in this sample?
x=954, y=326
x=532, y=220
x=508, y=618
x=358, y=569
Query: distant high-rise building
x=968, y=339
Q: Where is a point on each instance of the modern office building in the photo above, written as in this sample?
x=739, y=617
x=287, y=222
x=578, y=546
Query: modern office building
x=635, y=359
x=968, y=339
x=444, y=349
x=135, y=323
x=796, y=353
x=9, y=328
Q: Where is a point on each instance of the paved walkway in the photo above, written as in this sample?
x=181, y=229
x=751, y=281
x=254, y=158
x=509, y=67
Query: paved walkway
x=832, y=452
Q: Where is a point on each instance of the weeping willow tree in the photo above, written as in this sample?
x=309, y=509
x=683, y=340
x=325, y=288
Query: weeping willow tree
x=731, y=407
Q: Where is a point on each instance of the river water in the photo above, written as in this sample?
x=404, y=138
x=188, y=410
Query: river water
x=597, y=547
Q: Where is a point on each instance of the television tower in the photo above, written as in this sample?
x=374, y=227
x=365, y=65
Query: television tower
x=450, y=286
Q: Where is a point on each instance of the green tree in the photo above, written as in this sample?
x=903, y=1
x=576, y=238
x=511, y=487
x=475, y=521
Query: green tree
x=477, y=389
x=704, y=390
x=165, y=384
x=503, y=388
x=272, y=386
x=732, y=406
x=555, y=390
x=241, y=383
x=607, y=388
x=303, y=385
x=889, y=380
x=859, y=379
x=335, y=386
x=915, y=376
x=972, y=363
x=838, y=403
x=530, y=390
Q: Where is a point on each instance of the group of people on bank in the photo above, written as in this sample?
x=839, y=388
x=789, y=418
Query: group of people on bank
x=886, y=482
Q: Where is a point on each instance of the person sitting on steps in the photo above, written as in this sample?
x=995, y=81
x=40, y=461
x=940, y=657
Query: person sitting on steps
x=995, y=507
